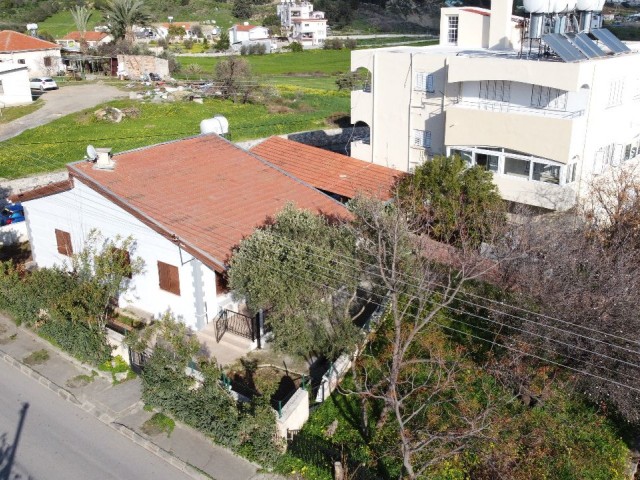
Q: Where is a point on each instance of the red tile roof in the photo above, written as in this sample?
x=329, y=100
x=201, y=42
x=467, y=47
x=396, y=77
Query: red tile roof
x=11, y=41
x=483, y=12
x=203, y=193
x=88, y=36
x=328, y=171
x=187, y=26
x=244, y=28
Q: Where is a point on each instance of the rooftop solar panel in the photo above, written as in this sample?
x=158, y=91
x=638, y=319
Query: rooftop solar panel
x=561, y=46
x=610, y=40
x=583, y=43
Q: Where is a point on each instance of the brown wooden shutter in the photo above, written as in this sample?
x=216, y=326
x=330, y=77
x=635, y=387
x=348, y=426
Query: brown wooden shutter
x=63, y=240
x=169, y=278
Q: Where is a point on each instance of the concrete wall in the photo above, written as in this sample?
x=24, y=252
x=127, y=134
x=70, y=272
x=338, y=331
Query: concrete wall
x=295, y=413
x=13, y=233
x=15, y=85
x=331, y=379
x=81, y=210
x=138, y=65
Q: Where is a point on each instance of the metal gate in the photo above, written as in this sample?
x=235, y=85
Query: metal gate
x=234, y=322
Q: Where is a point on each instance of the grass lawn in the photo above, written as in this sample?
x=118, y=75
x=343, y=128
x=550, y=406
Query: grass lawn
x=9, y=114
x=52, y=146
x=62, y=23
x=309, y=61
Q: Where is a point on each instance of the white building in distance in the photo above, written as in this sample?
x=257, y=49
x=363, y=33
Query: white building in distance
x=302, y=23
x=543, y=102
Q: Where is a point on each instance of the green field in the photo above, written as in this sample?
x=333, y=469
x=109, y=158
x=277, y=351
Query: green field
x=51, y=146
x=309, y=61
x=62, y=23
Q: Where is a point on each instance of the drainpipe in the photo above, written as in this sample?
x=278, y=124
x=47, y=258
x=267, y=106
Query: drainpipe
x=409, y=111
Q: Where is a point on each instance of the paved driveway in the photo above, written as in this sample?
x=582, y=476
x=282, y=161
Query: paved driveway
x=58, y=103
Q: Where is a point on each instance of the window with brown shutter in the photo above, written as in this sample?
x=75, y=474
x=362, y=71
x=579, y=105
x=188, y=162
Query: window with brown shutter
x=169, y=278
x=63, y=240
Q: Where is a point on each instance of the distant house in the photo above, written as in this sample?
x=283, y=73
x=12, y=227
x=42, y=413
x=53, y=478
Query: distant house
x=14, y=84
x=338, y=175
x=247, y=33
x=162, y=30
x=187, y=204
x=72, y=40
x=302, y=23
x=39, y=56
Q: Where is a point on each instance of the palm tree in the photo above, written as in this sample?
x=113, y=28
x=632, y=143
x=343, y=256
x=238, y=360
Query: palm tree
x=81, y=16
x=123, y=15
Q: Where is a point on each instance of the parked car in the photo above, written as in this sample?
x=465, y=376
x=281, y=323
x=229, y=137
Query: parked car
x=43, y=83
x=12, y=214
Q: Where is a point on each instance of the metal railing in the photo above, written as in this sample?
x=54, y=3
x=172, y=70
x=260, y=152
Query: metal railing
x=237, y=323
x=510, y=107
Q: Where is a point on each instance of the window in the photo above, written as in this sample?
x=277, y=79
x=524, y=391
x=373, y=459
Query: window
x=466, y=156
x=1, y=88
x=516, y=167
x=488, y=162
x=21, y=61
x=422, y=138
x=543, y=172
x=627, y=152
x=169, y=278
x=424, y=82
x=63, y=240
x=47, y=61
x=615, y=93
x=495, y=90
x=571, y=173
x=452, y=36
x=546, y=97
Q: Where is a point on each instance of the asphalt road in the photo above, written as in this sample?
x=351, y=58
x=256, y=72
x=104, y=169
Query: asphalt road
x=61, y=102
x=61, y=441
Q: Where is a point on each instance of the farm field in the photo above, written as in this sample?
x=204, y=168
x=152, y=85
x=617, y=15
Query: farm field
x=50, y=147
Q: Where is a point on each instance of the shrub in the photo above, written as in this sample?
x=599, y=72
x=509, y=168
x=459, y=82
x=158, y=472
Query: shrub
x=333, y=44
x=188, y=44
x=295, y=47
x=350, y=43
x=82, y=341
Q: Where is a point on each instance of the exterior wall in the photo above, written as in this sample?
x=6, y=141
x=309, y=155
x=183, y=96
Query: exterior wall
x=15, y=86
x=596, y=129
x=138, y=65
x=295, y=413
x=238, y=36
x=473, y=28
x=81, y=210
x=314, y=29
x=34, y=60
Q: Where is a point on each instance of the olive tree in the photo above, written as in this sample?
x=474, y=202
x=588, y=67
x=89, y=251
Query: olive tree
x=302, y=269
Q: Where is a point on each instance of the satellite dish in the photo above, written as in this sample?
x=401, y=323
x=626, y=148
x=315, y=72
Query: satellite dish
x=91, y=152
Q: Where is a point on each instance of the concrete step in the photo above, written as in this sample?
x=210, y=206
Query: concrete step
x=229, y=338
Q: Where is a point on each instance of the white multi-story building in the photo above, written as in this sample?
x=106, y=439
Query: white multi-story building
x=543, y=110
x=302, y=23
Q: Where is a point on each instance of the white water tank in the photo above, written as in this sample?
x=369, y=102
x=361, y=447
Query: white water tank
x=563, y=6
x=537, y=6
x=218, y=125
x=588, y=5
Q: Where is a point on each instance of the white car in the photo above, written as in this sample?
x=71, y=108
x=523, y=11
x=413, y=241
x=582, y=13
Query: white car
x=43, y=83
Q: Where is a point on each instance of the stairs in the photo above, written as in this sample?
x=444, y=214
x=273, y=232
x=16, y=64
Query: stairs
x=231, y=346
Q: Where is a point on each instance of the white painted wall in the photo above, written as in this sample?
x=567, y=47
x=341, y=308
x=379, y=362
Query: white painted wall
x=81, y=210
x=34, y=60
x=14, y=88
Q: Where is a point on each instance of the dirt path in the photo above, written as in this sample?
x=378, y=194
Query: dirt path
x=58, y=103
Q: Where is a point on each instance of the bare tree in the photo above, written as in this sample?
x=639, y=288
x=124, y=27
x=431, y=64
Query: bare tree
x=408, y=373
x=234, y=75
x=582, y=274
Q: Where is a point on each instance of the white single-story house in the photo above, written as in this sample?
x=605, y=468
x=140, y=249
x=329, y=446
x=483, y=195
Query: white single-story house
x=72, y=40
x=247, y=33
x=186, y=203
x=14, y=85
x=39, y=56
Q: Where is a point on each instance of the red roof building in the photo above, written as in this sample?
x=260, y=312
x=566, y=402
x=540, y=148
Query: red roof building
x=11, y=42
x=328, y=171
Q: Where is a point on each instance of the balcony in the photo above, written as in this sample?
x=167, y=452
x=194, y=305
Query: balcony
x=539, y=132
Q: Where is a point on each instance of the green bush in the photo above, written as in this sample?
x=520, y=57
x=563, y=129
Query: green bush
x=80, y=339
x=333, y=44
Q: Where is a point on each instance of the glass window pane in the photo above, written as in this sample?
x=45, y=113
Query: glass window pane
x=466, y=156
x=516, y=167
x=546, y=173
x=488, y=162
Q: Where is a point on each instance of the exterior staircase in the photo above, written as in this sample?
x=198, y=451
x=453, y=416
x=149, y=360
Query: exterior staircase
x=230, y=348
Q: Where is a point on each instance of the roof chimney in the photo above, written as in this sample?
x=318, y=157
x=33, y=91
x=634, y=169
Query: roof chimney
x=104, y=160
x=500, y=24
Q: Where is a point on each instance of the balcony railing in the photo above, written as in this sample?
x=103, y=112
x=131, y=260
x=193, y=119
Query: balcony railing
x=506, y=107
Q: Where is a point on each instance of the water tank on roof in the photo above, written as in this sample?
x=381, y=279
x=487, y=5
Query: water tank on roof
x=563, y=6
x=536, y=6
x=218, y=124
x=588, y=5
